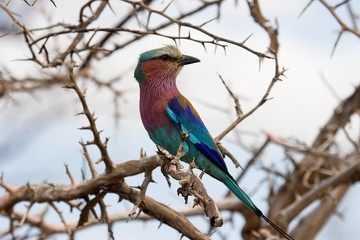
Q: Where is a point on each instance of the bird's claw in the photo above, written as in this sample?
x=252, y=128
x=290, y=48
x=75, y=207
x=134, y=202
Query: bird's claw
x=175, y=162
x=184, y=136
x=184, y=193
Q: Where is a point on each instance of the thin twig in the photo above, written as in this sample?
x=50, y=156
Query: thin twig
x=277, y=76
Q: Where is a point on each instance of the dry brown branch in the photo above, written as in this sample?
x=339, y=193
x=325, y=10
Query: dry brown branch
x=321, y=214
x=295, y=208
x=293, y=187
x=45, y=192
x=191, y=184
x=149, y=206
x=262, y=21
x=11, y=15
x=68, y=173
x=277, y=77
x=227, y=153
x=344, y=26
x=255, y=156
x=25, y=216
x=273, y=49
x=84, y=216
x=238, y=109
x=338, y=120
x=163, y=213
x=106, y=38
x=83, y=25
x=88, y=160
x=143, y=188
x=91, y=118
x=113, y=183
x=226, y=204
x=59, y=213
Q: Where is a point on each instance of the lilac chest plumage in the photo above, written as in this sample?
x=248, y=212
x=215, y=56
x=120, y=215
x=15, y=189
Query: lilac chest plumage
x=153, y=106
x=155, y=94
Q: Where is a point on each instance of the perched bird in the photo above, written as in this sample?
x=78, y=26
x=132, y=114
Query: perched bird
x=167, y=114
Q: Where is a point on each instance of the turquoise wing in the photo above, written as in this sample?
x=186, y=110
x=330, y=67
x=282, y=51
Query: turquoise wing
x=185, y=117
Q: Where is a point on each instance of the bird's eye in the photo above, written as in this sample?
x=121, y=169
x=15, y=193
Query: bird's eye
x=165, y=57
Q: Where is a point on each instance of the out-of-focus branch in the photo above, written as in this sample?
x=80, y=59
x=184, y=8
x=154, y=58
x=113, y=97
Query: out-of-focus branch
x=340, y=117
x=37, y=220
x=313, y=166
x=295, y=208
x=106, y=38
x=259, y=18
x=11, y=15
x=310, y=225
x=10, y=84
x=255, y=156
x=83, y=25
x=344, y=26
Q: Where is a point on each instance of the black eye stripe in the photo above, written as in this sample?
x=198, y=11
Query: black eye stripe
x=166, y=57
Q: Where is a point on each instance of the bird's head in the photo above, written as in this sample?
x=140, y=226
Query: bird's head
x=161, y=63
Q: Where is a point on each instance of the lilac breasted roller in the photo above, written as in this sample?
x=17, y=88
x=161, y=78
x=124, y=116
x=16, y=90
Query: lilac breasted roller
x=167, y=114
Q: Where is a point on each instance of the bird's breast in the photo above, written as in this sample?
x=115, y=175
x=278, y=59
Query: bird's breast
x=153, y=110
x=154, y=115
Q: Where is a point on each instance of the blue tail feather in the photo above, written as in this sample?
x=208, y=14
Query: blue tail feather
x=240, y=194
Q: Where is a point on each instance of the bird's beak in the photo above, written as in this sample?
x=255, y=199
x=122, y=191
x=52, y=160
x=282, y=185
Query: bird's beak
x=185, y=59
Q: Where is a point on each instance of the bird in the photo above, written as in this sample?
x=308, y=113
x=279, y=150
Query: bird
x=166, y=115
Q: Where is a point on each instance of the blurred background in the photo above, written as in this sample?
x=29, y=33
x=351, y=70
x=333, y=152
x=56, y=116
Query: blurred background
x=39, y=129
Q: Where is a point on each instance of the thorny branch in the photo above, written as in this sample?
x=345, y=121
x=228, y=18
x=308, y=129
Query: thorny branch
x=100, y=185
x=345, y=27
x=277, y=77
x=273, y=49
x=143, y=187
x=102, y=145
x=191, y=184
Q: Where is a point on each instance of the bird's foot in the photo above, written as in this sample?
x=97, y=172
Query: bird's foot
x=184, y=192
x=184, y=136
x=175, y=162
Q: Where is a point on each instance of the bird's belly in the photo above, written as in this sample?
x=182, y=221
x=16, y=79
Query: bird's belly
x=169, y=138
